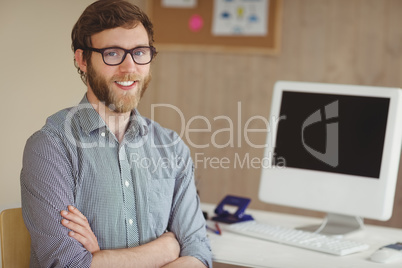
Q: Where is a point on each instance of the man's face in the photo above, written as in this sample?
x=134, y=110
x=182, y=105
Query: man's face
x=119, y=87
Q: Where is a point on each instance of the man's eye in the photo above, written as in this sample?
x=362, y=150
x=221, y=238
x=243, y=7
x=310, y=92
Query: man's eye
x=112, y=53
x=139, y=53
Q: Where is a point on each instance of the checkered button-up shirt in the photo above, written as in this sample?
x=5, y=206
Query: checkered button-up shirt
x=131, y=192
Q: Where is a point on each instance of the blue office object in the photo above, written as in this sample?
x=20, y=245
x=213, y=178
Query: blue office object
x=223, y=215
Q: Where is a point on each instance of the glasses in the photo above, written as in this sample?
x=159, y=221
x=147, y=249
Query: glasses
x=115, y=55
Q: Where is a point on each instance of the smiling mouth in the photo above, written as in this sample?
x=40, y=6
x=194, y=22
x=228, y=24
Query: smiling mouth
x=125, y=83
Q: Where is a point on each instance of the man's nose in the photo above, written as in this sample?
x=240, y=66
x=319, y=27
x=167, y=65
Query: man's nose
x=128, y=65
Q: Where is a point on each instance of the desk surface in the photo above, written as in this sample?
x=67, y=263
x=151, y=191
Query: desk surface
x=235, y=249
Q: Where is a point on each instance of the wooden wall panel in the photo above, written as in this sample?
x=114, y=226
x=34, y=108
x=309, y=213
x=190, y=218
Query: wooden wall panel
x=334, y=41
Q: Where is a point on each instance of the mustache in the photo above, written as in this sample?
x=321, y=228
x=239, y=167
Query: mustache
x=126, y=77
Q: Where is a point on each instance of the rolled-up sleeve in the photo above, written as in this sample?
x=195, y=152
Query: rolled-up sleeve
x=187, y=221
x=47, y=187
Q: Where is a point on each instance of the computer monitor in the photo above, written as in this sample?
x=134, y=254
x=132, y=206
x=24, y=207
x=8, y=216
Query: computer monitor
x=335, y=149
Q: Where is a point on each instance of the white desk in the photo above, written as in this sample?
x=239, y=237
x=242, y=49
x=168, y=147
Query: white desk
x=234, y=249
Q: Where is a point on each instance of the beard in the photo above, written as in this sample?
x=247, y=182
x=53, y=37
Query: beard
x=116, y=101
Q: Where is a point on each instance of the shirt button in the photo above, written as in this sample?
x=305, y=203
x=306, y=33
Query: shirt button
x=103, y=134
x=127, y=183
x=131, y=221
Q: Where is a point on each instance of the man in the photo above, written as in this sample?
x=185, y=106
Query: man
x=101, y=185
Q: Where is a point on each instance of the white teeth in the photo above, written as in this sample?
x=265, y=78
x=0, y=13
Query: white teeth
x=125, y=83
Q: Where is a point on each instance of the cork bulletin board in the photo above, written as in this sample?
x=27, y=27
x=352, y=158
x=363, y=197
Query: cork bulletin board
x=177, y=28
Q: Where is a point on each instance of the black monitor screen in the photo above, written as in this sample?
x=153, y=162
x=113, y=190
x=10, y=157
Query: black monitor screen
x=332, y=133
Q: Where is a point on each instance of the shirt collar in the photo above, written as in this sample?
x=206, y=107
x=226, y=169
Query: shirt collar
x=88, y=117
x=90, y=120
x=137, y=121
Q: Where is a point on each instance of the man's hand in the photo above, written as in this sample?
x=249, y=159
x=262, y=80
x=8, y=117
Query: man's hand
x=80, y=229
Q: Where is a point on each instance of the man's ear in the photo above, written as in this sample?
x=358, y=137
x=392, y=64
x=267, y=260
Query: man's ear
x=79, y=59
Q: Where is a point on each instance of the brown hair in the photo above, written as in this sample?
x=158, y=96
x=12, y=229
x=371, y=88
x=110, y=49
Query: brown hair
x=102, y=15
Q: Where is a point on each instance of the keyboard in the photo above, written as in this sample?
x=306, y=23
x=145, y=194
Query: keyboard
x=298, y=238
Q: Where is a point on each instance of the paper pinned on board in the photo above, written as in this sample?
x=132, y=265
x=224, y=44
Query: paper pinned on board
x=240, y=18
x=179, y=3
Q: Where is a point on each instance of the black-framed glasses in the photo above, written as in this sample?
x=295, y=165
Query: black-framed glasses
x=115, y=55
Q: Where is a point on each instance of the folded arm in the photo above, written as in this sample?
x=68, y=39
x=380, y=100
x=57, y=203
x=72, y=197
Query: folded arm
x=157, y=253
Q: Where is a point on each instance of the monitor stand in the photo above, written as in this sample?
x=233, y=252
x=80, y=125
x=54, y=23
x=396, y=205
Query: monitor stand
x=336, y=224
